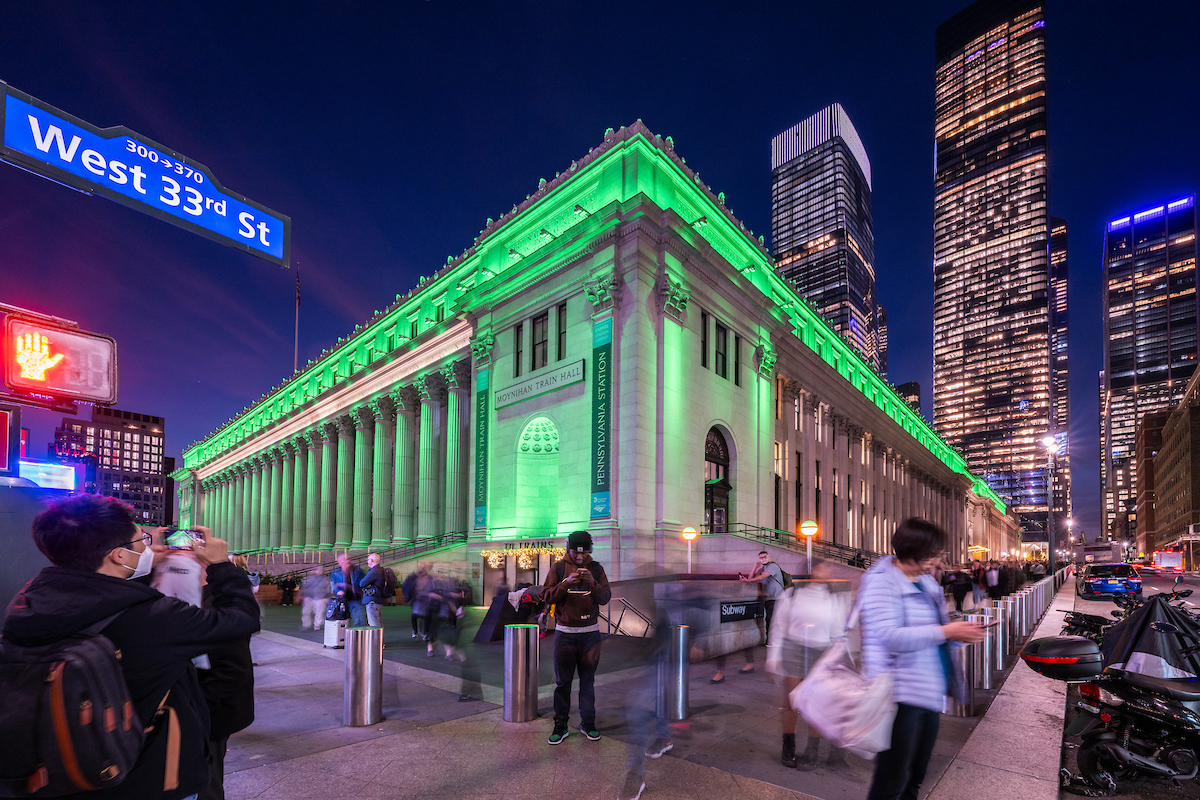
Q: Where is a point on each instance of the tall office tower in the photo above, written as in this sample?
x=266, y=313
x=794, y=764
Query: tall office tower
x=128, y=451
x=992, y=384
x=1059, y=368
x=1150, y=335
x=821, y=229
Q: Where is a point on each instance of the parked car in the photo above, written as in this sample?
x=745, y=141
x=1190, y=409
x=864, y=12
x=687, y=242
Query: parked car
x=1098, y=580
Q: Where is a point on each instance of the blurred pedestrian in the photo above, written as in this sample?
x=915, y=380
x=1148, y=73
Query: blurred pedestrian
x=287, y=589
x=314, y=597
x=906, y=631
x=422, y=582
x=977, y=582
x=649, y=733
x=577, y=586
x=808, y=617
x=959, y=581
x=374, y=591
x=228, y=689
x=346, y=582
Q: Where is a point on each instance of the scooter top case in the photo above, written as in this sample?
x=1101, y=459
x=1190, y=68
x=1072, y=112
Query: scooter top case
x=1064, y=658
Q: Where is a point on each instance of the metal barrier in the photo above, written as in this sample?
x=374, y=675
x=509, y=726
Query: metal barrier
x=1008, y=625
x=673, y=668
x=982, y=653
x=362, y=700
x=520, y=673
x=962, y=661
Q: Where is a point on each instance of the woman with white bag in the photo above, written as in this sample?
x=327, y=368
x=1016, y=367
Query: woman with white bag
x=808, y=617
x=905, y=631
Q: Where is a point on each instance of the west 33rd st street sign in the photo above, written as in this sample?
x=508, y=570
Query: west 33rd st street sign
x=138, y=172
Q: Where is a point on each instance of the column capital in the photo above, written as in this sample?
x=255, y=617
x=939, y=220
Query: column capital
x=765, y=356
x=300, y=443
x=364, y=417
x=458, y=376
x=604, y=291
x=795, y=390
x=405, y=399
x=670, y=297
x=287, y=450
x=481, y=347
x=878, y=448
x=431, y=388
x=344, y=425
x=811, y=402
x=384, y=409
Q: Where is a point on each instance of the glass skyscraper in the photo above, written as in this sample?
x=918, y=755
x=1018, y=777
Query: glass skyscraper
x=1060, y=363
x=821, y=230
x=992, y=373
x=1150, y=335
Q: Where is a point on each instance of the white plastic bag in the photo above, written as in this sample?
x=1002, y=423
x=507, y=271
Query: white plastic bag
x=844, y=707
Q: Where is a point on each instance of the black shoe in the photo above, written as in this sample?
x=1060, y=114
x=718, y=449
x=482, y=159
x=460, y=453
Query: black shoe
x=559, y=735
x=590, y=732
x=788, y=756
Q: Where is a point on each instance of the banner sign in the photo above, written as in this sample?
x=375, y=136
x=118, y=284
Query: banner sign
x=138, y=172
x=601, y=416
x=481, y=447
x=557, y=379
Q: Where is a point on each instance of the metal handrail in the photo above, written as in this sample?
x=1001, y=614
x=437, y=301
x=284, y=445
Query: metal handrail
x=853, y=556
x=628, y=605
x=416, y=547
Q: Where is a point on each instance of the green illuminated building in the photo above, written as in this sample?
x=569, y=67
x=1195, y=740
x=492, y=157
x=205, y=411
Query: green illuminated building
x=616, y=353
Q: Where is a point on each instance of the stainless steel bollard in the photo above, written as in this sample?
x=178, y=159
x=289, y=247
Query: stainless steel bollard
x=982, y=654
x=673, y=670
x=520, y=673
x=362, y=699
x=1000, y=632
x=1008, y=622
x=1017, y=625
x=962, y=661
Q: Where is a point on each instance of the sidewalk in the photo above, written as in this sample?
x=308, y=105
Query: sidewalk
x=430, y=742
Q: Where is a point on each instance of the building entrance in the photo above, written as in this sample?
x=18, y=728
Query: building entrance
x=716, y=483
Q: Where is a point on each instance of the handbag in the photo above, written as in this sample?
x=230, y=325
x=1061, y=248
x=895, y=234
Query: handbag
x=337, y=609
x=843, y=706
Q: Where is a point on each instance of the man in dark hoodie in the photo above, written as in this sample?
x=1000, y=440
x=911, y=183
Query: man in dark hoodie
x=577, y=586
x=96, y=549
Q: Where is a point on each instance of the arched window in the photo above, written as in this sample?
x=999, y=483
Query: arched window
x=716, y=482
x=716, y=456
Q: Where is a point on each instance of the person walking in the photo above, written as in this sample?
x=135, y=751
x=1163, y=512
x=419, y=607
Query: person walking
x=374, y=591
x=346, y=582
x=977, y=583
x=906, y=631
x=314, y=597
x=959, y=582
x=577, y=586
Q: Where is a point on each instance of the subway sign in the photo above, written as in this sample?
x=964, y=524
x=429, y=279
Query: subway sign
x=63, y=363
x=138, y=172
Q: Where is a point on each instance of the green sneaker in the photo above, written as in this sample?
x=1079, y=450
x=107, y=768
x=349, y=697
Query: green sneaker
x=559, y=734
x=590, y=732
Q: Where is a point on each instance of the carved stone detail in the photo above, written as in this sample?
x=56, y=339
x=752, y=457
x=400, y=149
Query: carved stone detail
x=670, y=297
x=458, y=376
x=604, y=292
x=431, y=388
x=384, y=409
x=765, y=356
x=406, y=399
x=364, y=417
x=481, y=348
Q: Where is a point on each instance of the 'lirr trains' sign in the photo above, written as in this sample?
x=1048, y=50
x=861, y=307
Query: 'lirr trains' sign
x=736, y=612
x=137, y=172
x=556, y=379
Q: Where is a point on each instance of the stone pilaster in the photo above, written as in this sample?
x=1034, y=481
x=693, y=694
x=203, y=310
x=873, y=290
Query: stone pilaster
x=288, y=480
x=364, y=457
x=299, y=484
x=458, y=401
x=432, y=390
x=344, y=520
x=329, y=485
x=407, y=406
x=381, y=474
x=256, y=540
x=312, y=489
x=272, y=491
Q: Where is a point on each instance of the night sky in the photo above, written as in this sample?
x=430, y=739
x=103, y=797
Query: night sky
x=389, y=132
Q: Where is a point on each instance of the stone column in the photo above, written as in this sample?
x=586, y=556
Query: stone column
x=287, y=480
x=254, y=505
x=223, y=516
x=299, y=482
x=273, y=492
x=364, y=456
x=344, y=521
x=406, y=404
x=458, y=402
x=312, y=490
x=329, y=432
x=381, y=474
x=432, y=391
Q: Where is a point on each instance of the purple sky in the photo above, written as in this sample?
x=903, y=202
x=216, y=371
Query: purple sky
x=390, y=135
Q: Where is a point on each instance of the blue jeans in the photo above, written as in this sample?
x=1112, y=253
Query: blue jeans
x=641, y=716
x=900, y=769
x=358, y=614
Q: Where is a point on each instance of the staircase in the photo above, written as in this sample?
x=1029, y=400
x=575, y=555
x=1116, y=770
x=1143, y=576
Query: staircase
x=831, y=551
x=397, y=553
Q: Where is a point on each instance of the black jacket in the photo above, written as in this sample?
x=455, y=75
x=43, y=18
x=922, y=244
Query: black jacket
x=157, y=636
x=374, y=586
x=228, y=686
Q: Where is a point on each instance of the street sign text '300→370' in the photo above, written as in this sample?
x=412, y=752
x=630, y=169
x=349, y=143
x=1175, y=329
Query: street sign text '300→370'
x=138, y=172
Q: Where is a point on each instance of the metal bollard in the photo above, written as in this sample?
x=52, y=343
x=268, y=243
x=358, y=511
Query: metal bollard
x=982, y=655
x=962, y=661
x=673, y=670
x=1008, y=605
x=520, y=673
x=1026, y=613
x=1017, y=625
x=362, y=699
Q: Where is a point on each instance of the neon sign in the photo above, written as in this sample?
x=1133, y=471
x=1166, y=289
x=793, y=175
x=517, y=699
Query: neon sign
x=63, y=363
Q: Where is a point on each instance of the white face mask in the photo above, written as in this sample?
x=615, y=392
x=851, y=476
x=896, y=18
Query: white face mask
x=145, y=562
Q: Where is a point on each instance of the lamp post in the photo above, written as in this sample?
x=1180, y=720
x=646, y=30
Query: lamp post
x=689, y=534
x=1051, y=445
x=808, y=529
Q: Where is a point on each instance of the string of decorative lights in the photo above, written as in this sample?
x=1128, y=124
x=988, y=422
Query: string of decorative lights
x=525, y=555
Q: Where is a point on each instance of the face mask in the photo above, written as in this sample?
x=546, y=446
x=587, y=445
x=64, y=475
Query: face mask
x=145, y=562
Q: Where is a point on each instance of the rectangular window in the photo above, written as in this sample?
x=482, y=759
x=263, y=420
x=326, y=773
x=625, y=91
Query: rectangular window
x=799, y=485
x=704, y=339
x=737, y=360
x=541, y=344
x=518, y=348
x=817, y=493
x=719, y=350
x=779, y=396
x=779, y=459
x=439, y=312
x=562, y=332
x=413, y=328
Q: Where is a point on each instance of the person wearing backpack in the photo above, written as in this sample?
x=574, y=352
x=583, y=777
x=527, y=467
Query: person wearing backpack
x=577, y=586
x=389, y=586
x=86, y=603
x=906, y=631
x=374, y=589
x=773, y=580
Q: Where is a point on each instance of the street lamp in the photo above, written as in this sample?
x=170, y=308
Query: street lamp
x=808, y=529
x=689, y=534
x=1051, y=445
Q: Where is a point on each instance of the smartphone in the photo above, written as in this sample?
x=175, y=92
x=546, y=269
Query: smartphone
x=992, y=624
x=182, y=539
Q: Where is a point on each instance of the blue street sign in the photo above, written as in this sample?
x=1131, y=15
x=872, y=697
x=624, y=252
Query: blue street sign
x=138, y=172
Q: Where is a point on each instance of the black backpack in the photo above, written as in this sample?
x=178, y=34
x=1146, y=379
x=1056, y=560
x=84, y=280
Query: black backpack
x=389, y=585
x=67, y=721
